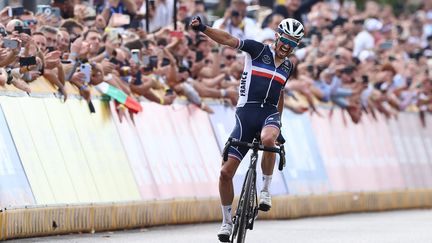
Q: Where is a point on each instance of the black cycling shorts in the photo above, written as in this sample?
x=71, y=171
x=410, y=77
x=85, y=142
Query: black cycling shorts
x=250, y=120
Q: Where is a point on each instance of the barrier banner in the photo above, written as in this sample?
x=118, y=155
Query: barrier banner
x=47, y=147
x=422, y=168
x=36, y=175
x=207, y=146
x=304, y=172
x=134, y=149
x=426, y=135
x=72, y=151
x=173, y=153
x=104, y=152
x=411, y=165
x=112, y=153
x=14, y=187
x=352, y=151
x=380, y=153
x=223, y=121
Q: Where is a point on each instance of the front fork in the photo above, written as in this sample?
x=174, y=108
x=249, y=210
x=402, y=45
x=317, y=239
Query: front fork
x=254, y=211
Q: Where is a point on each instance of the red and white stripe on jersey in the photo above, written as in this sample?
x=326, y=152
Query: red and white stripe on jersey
x=264, y=72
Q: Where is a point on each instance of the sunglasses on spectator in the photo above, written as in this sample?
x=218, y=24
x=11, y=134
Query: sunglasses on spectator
x=230, y=57
x=287, y=41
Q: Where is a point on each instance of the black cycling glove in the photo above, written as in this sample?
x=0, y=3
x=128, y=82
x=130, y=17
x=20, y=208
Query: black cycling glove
x=201, y=27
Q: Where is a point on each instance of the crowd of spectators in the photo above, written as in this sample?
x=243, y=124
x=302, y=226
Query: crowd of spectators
x=363, y=61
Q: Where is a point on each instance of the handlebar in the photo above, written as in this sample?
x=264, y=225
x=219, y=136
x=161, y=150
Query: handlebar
x=255, y=146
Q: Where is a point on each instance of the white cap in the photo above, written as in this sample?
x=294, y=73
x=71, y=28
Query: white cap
x=372, y=24
x=429, y=15
x=366, y=54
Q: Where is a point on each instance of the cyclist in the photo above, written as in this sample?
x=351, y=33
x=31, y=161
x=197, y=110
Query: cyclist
x=266, y=71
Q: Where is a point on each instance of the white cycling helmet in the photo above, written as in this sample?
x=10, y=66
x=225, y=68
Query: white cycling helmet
x=291, y=27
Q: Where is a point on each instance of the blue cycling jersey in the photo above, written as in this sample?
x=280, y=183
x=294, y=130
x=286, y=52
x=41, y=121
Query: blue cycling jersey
x=261, y=81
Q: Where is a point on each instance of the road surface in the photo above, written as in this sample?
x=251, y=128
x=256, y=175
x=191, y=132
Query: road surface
x=385, y=227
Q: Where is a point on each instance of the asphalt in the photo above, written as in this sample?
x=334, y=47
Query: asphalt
x=384, y=227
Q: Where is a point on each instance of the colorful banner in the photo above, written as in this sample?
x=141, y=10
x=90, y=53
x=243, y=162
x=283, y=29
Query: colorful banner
x=304, y=172
x=106, y=155
x=72, y=151
x=24, y=143
x=413, y=177
x=54, y=152
x=223, y=121
x=14, y=187
x=173, y=153
x=134, y=148
x=48, y=151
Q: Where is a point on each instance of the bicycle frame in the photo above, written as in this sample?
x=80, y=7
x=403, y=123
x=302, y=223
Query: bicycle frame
x=247, y=209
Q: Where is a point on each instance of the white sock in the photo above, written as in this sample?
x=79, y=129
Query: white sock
x=266, y=182
x=226, y=214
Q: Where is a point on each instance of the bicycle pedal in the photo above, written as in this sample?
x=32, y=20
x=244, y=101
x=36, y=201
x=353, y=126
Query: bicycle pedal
x=224, y=238
x=264, y=207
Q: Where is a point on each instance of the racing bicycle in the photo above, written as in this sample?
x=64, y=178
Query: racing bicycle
x=247, y=208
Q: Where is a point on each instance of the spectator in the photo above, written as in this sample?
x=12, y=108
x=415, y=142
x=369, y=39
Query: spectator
x=365, y=39
x=236, y=23
x=268, y=33
x=291, y=9
x=391, y=55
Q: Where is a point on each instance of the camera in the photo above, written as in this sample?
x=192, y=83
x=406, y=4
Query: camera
x=48, y=10
x=15, y=11
x=8, y=43
x=20, y=29
x=27, y=61
x=44, y=9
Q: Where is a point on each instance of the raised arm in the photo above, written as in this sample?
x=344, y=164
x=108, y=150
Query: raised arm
x=217, y=35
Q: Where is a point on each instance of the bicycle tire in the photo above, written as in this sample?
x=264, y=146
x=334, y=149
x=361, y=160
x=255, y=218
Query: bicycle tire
x=246, y=207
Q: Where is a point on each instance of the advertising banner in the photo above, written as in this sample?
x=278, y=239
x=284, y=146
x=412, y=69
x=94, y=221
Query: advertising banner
x=47, y=148
x=304, y=172
x=206, y=145
x=34, y=169
x=104, y=152
x=172, y=151
x=422, y=168
x=127, y=129
x=381, y=153
x=72, y=151
x=223, y=121
x=14, y=187
x=409, y=143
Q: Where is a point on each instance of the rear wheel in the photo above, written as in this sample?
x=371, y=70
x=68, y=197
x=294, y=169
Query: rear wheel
x=246, y=203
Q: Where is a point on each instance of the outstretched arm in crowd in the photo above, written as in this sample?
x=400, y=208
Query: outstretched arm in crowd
x=10, y=58
x=167, y=99
x=217, y=35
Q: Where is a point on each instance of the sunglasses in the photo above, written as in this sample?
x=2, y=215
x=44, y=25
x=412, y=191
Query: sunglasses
x=230, y=57
x=287, y=41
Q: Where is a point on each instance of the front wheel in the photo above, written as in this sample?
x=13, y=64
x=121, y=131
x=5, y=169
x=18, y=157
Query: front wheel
x=246, y=206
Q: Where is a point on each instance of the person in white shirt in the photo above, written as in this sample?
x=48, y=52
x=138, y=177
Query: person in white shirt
x=268, y=33
x=236, y=23
x=160, y=13
x=365, y=39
